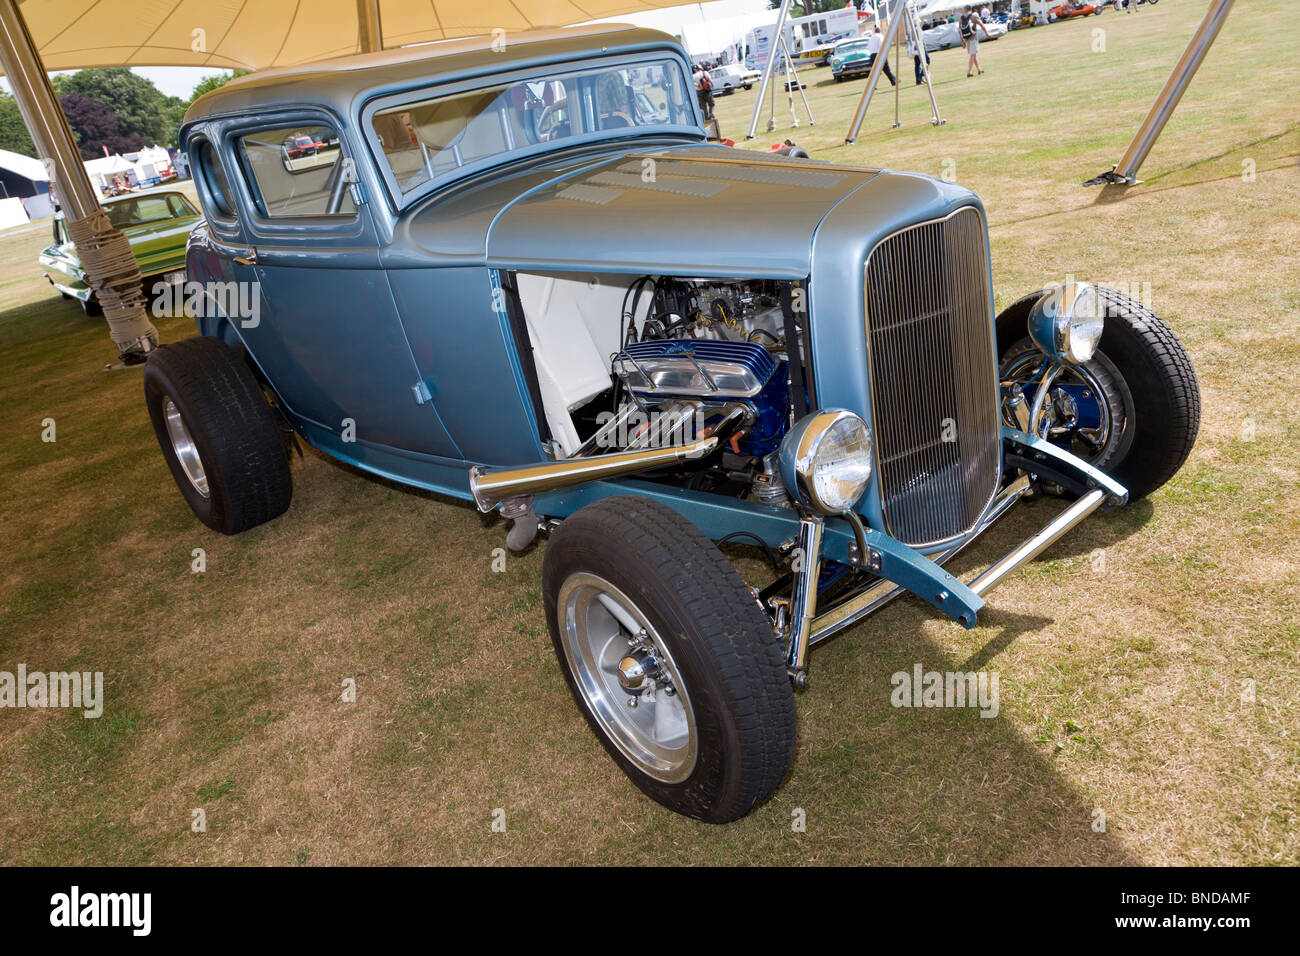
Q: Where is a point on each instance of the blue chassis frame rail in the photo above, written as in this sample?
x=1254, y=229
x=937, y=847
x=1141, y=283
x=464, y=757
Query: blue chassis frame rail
x=899, y=567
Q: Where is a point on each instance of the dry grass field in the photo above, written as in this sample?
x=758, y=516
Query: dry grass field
x=1126, y=655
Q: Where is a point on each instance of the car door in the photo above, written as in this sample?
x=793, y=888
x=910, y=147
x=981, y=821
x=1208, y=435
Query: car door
x=328, y=334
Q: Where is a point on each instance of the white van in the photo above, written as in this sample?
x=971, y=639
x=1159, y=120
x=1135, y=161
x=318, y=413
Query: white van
x=733, y=76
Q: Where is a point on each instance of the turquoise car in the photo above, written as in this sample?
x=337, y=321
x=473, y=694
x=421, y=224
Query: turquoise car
x=851, y=58
x=496, y=284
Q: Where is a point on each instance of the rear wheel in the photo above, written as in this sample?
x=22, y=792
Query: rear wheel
x=670, y=658
x=1133, y=410
x=90, y=305
x=218, y=434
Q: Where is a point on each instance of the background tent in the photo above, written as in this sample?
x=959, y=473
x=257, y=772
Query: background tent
x=22, y=176
x=72, y=34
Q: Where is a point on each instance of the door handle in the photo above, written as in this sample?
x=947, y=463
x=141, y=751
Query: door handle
x=249, y=258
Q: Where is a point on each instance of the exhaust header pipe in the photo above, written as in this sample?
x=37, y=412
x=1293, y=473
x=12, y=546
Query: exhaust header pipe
x=491, y=486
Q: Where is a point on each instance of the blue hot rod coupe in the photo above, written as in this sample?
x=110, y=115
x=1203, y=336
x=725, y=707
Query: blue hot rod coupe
x=486, y=280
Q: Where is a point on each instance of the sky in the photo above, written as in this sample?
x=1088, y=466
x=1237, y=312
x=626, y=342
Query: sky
x=181, y=80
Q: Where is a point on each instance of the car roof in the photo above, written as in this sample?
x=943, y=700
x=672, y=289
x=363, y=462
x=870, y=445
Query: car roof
x=151, y=191
x=336, y=83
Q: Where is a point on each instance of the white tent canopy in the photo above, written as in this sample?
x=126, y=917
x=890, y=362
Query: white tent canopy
x=236, y=34
x=24, y=166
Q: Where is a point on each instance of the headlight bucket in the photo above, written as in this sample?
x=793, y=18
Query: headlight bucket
x=826, y=460
x=1067, y=322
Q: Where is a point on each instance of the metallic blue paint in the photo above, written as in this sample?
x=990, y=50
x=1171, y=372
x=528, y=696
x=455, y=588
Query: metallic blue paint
x=365, y=314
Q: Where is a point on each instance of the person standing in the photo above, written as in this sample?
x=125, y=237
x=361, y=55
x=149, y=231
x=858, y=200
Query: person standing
x=706, y=94
x=968, y=26
x=698, y=77
x=916, y=55
x=874, y=44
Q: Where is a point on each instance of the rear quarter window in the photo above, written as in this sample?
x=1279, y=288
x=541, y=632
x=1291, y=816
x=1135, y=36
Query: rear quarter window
x=214, y=179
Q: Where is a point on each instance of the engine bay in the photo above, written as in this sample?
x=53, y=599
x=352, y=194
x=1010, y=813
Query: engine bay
x=660, y=360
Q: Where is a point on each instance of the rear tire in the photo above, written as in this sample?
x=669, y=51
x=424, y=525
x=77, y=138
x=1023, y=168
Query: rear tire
x=735, y=736
x=218, y=433
x=90, y=305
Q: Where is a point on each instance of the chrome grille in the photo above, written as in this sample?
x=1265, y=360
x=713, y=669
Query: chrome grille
x=933, y=377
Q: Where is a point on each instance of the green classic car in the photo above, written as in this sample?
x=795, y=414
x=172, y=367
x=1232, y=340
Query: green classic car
x=156, y=222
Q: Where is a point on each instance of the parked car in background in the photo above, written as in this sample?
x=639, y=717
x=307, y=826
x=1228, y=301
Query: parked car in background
x=851, y=58
x=948, y=35
x=157, y=223
x=489, y=295
x=299, y=146
x=1071, y=11
x=727, y=79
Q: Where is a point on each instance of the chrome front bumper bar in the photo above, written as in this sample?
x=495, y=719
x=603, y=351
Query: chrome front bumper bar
x=807, y=627
x=1033, y=547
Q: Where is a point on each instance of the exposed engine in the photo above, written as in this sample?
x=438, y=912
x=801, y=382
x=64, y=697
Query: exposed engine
x=700, y=349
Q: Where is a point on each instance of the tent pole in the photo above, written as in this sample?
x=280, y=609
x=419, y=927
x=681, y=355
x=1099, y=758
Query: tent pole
x=873, y=77
x=768, y=68
x=1125, y=171
x=370, y=33
x=111, y=269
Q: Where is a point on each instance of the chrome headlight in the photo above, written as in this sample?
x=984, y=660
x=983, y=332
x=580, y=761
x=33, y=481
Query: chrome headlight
x=1067, y=322
x=826, y=460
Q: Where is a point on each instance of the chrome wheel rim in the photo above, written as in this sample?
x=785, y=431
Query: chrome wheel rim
x=1095, y=443
x=183, y=447
x=601, y=627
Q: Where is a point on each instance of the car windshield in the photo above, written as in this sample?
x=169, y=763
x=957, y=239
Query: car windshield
x=429, y=138
x=138, y=210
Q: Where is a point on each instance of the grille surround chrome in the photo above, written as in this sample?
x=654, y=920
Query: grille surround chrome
x=941, y=323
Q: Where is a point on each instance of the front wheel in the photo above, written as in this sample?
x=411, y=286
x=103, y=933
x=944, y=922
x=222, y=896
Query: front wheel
x=1133, y=410
x=670, y=658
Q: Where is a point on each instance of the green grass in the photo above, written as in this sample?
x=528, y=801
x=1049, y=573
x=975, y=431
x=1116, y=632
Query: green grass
x=1121, y=688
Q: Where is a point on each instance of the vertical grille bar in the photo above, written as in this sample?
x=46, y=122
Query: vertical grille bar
x=933, y=378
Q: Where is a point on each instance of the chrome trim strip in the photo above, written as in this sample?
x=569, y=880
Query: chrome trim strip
x=803, y=597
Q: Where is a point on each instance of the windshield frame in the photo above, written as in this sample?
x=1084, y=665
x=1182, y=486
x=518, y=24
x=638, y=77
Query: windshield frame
x=399, y=199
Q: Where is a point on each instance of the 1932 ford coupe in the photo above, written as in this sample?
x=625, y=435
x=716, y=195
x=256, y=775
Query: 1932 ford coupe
x=487, y=282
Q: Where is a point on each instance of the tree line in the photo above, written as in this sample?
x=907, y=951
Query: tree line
x=108, y=107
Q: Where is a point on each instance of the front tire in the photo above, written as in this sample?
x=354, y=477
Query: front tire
x=628, y=579
x=218, y=433
x=1148, y=401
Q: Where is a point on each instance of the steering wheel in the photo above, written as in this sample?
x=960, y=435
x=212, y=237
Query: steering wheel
x=561, y=128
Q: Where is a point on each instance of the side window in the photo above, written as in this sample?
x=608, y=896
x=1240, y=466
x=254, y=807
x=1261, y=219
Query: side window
x=297, y=171
x=205, y=160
